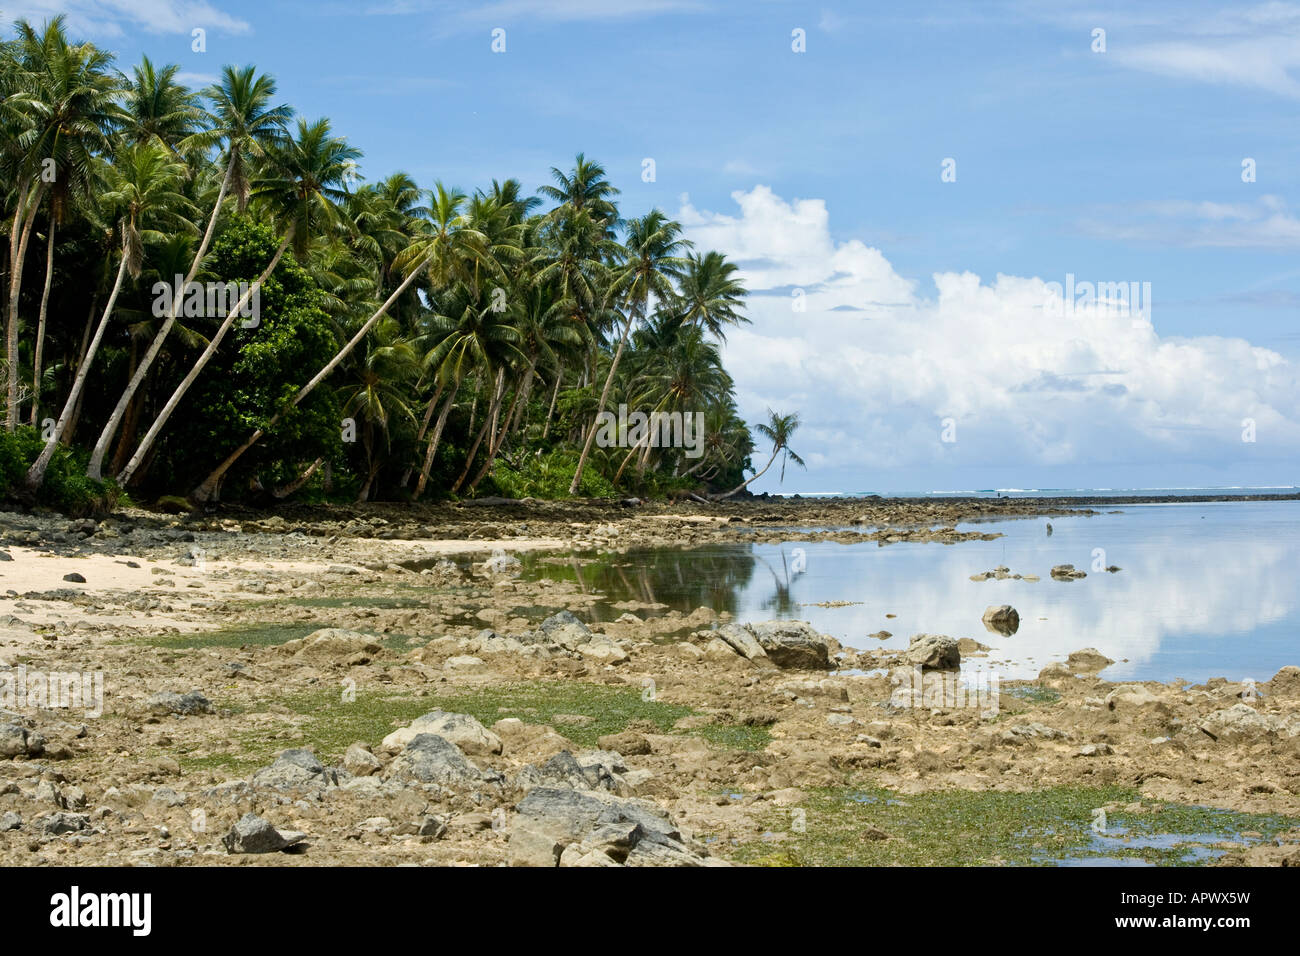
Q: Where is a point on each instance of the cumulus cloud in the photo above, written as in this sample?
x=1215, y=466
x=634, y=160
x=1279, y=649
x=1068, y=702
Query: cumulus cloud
x=1027, y=378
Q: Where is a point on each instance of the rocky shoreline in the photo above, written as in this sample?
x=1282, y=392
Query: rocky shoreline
x=381, y=685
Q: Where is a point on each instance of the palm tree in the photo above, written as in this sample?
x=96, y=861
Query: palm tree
x=778, y=429
x=377, y=395
x=65, y=95
x=145, y=185
x=157, y=107
x=709, y=295
x=653, y=243
x=444, y=252
x=302, y=194
x=241, y=119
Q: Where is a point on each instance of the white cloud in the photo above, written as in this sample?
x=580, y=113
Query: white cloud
x=505, y=12
x=114, y=18
x=874, y=367
x=1263, y=224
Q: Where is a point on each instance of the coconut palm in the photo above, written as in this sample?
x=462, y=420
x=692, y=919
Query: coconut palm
x=778, y=429
x=302, y=193
x=243, y=120
x=65, y=96
x=653, y=245
x=709, y=295
x=155, y=106
x=145, y=183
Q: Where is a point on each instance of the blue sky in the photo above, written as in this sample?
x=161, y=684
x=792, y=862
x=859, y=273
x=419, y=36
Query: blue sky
x=820, y=171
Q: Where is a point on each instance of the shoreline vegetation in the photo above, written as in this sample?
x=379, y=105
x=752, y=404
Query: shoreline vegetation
x=207, y=299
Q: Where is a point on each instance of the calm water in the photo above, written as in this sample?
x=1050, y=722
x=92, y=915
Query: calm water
x=1205, y=590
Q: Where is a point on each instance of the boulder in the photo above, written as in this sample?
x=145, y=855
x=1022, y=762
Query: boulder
x=742, y=640
x=170, y=702
x=1130, y=696
x=1242, y=723
x=17, y=741
x=932, y=652
x=296, y=769
x=464, y=731
x=565, y=630
x=1003, y=619
x=252, y=834
x=793, y=645
x=334, y=644
x=566, y=827
x=429, y=758
x=1067, y=572
x=360, y=762
x=1089, y=660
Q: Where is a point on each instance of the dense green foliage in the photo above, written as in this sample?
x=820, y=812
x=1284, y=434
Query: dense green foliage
x=408, y=342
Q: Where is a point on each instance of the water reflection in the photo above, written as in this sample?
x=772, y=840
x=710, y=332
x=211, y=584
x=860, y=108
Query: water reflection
x=1205, y=590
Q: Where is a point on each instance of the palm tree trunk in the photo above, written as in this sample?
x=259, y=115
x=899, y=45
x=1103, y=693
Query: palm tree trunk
x=497, y=389
x=18, y=238
x=494, y=448
x=291, y=487
x=40, y=326
x=36, y=474
x=745, y=484
x=152, y=434
x=555, y=393
x=81, y=358
x=433, y=442
x=96, y=465
x=204, y=491
x=424, y=427
x=527, y=390
x=604, y=397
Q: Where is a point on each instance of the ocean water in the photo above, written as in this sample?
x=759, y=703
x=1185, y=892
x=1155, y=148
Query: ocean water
x=1205, y=589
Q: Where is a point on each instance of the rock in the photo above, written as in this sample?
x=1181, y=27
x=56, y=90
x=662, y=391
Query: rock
x=502, y=564
x=792, y=645
x=1066, y=572
x=464, y=731
x=463, y=662
x=565, y=770
x=629, y=743
x=1286, y=682
x=334, y=644
x=59, y=823
x=932, y=652
x=360, y=762
x=170, y=702
x=1241, y=723
x=429, y=758
x=1130, y=696
x=742, y=640
x=1089, y=660
x=566, y=827
x=720, y=651
x=1003, y=619
x=874, y=833
x=252, y=834
x=296, y=769
x=18, y=741
x=431, y=826
x=75, y=578
x=1096, y=750
x=565, y=630
x=603, y=650
x=10, y=821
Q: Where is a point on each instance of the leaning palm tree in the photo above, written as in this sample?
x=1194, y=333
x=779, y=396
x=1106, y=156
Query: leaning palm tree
x=243, y=120
x=302, y=192
x=144, y=185
x=778, y=429
x=65, y=94
x=443, y=252
x=653, y=261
